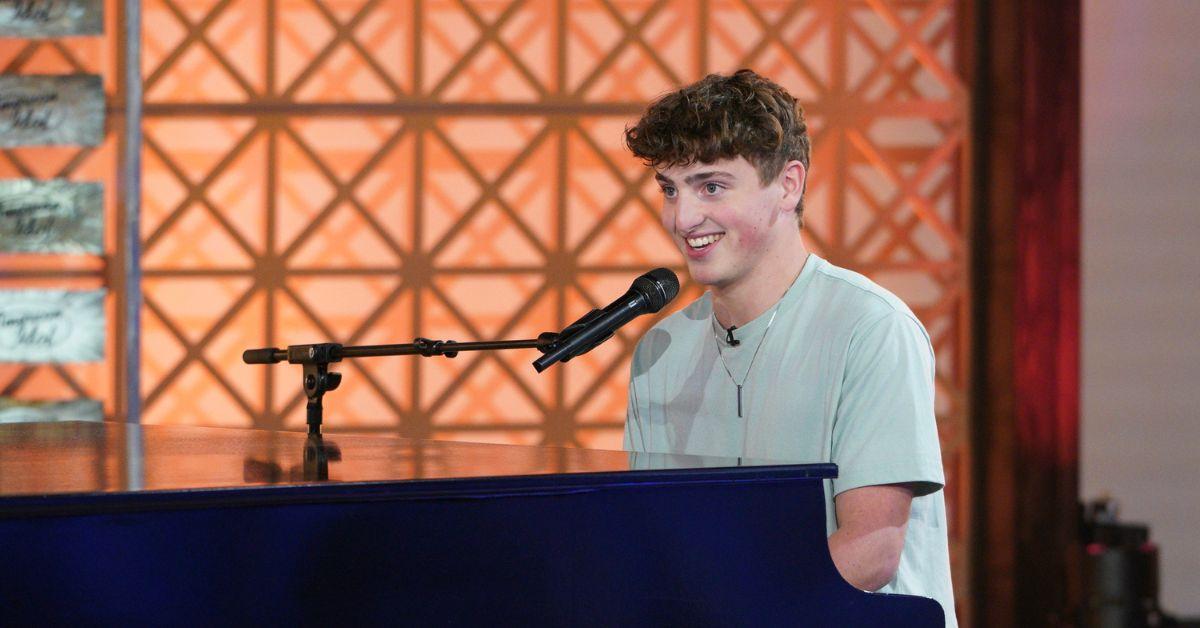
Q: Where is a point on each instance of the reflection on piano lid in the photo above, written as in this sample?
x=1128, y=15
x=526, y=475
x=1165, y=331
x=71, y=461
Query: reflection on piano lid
x=77, y=457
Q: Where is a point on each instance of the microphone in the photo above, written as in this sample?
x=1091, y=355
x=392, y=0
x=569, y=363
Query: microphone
x=648, y=294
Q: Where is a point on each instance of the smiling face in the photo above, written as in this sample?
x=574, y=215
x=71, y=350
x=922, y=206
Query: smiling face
x=730, y=227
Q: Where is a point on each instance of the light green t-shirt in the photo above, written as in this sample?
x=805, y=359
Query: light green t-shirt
x=844, y=375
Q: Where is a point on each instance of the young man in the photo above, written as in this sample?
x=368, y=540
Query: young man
x=786, y=356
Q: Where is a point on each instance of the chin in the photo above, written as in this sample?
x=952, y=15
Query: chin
x=705, y=275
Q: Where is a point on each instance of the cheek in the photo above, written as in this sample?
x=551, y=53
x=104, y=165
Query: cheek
x=754, y=230
x=753, y=238
x=750, y=234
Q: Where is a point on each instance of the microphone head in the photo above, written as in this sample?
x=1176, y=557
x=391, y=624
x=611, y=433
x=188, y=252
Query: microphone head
x=658, y=286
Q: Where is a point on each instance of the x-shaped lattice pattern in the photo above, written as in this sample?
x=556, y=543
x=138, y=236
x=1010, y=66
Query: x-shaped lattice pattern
x=370, y=171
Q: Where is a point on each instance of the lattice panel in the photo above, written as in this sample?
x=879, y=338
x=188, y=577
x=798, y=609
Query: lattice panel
x=340, y=253
x=73, y=55
x=366, y=172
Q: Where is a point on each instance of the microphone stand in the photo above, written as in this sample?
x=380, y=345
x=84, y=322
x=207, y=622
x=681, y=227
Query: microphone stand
x=316, y=358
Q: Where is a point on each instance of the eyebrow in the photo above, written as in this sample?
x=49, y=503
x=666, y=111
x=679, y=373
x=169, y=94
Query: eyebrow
x=692, y=179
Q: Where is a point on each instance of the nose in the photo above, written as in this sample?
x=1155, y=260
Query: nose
x=688, y=214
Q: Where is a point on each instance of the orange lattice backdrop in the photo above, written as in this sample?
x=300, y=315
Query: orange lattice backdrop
x=368, y=171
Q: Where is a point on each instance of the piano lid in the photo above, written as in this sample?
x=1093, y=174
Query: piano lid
x=91, y=458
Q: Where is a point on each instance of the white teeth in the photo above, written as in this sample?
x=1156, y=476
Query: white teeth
x=701, y=242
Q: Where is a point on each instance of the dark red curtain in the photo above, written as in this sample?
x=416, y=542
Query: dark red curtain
x=1027, y=314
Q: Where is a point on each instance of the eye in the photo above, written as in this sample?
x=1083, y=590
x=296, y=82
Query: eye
x=711, y=188
x=669, y=191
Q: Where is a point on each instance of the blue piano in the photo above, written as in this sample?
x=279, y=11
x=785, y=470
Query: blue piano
x=115, y=524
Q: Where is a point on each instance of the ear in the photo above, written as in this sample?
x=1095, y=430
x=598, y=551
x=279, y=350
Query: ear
x=792, y=179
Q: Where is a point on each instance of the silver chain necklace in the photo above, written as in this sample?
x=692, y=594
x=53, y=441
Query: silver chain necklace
x=721, y=355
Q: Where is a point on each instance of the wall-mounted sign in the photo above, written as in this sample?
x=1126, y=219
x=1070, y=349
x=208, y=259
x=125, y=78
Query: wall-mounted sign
x=44, y=110
x=51, y=326
x=51, y=18
x=51, y=216
x=13, y=411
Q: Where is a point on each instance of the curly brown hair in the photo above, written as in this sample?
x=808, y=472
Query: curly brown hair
x=722, y=117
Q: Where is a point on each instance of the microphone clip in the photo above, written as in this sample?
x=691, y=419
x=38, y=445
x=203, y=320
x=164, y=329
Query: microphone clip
x=729, y=339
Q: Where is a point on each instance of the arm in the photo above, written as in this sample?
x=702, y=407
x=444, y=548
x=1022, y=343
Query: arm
x=885, y=445
x=872, y=521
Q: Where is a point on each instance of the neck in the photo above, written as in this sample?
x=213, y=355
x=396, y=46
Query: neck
x=741, y=302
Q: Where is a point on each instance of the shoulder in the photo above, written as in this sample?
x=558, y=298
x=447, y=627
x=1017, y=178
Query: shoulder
x=855, y=290
x=858, y=301
x=861, y=316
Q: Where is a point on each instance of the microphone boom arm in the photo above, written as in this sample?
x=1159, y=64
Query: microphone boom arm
x=648, y=294
x=316, y=358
